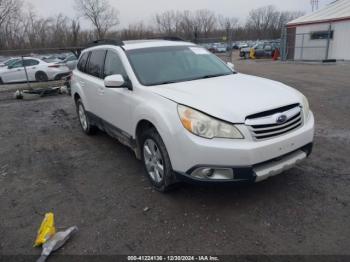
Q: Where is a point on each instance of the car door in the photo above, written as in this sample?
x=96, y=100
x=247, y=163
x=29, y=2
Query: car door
x=93, y=80
x=259, y=50
x=268, y=51
x=115, y=103
x=14, y=73
x=31, y=65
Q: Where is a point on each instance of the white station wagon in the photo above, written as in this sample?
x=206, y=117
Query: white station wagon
x=188, y=115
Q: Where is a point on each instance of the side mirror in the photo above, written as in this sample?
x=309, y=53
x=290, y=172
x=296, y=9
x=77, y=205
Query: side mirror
x=231, y=66
x=9, y=67
x=115, y=81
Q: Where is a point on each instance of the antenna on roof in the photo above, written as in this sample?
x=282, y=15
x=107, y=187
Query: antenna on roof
x=314, y=5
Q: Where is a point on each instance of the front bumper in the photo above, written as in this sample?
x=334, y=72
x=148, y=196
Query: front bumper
x=255, y=173
x=250, y=160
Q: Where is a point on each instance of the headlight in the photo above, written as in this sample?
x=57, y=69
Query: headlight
x=306, y=108
x=205, y=126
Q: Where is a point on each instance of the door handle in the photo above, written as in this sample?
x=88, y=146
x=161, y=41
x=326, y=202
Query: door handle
x=19, y=70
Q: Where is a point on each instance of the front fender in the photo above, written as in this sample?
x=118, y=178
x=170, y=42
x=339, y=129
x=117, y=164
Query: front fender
x=163, y=115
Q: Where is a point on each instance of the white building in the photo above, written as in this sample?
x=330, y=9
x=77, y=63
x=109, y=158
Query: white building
x=308, y=36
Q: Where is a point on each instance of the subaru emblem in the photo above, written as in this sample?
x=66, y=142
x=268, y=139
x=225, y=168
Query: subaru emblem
x=281, y=119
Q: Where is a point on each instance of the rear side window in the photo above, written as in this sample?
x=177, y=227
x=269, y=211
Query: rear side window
x=96, y=62
x=82, y=62
x=113, y=65
x=30, y=62
x=17, y=64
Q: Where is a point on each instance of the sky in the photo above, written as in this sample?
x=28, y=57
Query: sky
x=132, y=11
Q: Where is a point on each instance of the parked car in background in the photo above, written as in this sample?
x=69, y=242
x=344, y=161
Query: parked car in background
x=242, y=45
x=52, y=59
x=70, y=61
x=8, y=62
x=221, y=48
x=37, y=70
x=261, y=50
x=188, y=115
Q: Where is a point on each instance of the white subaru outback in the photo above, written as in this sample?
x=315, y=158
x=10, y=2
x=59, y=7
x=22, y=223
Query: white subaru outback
x=188, y=115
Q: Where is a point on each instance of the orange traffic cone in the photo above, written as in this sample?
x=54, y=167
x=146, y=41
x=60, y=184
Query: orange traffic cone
x=276, y=54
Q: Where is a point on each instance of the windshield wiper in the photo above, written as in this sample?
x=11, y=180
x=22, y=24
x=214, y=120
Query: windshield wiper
x=212, y=76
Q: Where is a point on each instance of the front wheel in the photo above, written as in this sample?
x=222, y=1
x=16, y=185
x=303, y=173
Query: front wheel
x=84, y=120
x=156, y=161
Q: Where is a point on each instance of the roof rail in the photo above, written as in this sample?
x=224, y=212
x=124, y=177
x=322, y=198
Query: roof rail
x=98, y=42
x=172, y=38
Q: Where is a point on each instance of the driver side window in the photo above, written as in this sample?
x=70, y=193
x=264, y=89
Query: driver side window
x=113, y=65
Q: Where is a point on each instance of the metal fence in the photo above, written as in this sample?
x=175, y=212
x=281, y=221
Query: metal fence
x=308, y=46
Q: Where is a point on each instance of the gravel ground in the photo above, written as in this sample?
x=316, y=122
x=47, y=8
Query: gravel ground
x=47, y=164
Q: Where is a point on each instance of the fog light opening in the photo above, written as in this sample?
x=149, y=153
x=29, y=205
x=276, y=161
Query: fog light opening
x=206, y=173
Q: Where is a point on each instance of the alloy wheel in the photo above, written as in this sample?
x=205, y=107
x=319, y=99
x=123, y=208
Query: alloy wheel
x=82, y=117
x=153, y=160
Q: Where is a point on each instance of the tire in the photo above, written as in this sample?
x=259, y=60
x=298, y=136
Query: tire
x=41, y=77
x=1, y=82
x=84, y=120
x=156, y=161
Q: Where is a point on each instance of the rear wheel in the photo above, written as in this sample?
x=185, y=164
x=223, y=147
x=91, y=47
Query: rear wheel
x=156, y=161
x=41, y=77
x=84, y=120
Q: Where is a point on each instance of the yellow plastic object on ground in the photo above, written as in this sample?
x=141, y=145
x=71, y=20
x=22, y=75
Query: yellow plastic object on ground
x=46, y=230
x=252, y=53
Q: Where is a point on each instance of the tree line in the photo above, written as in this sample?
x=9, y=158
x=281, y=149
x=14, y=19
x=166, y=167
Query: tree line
x=21, y=27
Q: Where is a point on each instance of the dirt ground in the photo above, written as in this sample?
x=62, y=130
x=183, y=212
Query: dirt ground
x=47, y=164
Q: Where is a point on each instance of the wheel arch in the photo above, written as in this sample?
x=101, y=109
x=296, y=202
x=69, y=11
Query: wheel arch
x=41, y=72
x=160, y=120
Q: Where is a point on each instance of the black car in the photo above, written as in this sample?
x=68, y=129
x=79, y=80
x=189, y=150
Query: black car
x=262, y=50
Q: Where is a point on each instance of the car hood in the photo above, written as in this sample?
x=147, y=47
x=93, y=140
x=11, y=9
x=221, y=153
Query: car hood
x=231, y=98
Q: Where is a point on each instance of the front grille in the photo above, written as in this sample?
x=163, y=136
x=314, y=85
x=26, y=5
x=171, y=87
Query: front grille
x=265, y=125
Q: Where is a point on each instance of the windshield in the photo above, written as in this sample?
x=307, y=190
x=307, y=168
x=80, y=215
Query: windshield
x=165, y=65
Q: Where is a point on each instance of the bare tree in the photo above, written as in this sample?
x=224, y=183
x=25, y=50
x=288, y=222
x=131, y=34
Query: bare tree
x=227, y=24
x=262, y=20
x=8, y=8
x=100, y=13
x=168, y=22
x=74, y=32
x=9, y=12
x=205, y=21
x=187, y=25
x=26, y=29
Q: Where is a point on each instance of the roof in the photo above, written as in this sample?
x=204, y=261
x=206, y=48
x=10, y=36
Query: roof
x=336, y=11
x=139, y=44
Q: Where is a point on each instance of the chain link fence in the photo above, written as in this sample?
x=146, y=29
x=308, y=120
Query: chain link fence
x=305, y=46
